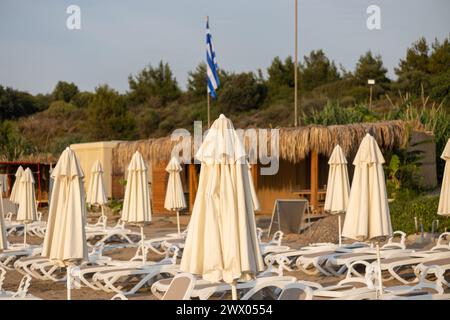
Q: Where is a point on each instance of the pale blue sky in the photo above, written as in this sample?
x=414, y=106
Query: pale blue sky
x=121, y=37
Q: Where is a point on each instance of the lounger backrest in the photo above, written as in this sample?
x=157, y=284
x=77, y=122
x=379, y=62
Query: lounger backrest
x=295, y=291
x=288, y=215
x=22, y=290
x=443, y=242
x=353, y=276
x=391, y=244
x=2, y=278
x=180, y=288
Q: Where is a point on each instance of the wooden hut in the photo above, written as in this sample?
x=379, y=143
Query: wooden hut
x=303, y=156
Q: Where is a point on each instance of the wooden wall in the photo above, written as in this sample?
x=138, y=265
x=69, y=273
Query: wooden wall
x=290, y=177
x=160, y=178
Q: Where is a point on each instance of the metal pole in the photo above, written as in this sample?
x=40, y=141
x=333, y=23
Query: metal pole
x=296, y=66
x=234, y=290
x=207, y=93
x=208, y=99
x=144, y=256
x=380, y=280
x=340, y=232
x=69, y=283
x=370, y=98
x=178, y=222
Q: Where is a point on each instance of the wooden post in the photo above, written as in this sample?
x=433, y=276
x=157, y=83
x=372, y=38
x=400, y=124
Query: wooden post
x=314, y=180
x=192, y=185
x=296, y=66
x=254, y=170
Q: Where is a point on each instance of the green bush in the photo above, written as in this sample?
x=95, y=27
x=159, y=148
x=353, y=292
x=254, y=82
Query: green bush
x=409, y=205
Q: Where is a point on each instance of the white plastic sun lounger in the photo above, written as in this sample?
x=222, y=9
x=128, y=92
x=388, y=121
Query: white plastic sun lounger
x=85, y=274
x=397, y=263
x=180, y=288
x=203, y=289
x=280, y=290
x=118, y=233
x=326, y=262
x=22, y=290
x=286, y=260
x=115, y=280
x=160, y=245
x=14, y=252
x=45, y=269
x=352, y=287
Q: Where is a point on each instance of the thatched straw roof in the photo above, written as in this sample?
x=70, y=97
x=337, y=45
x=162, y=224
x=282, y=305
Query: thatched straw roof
x=295, y=143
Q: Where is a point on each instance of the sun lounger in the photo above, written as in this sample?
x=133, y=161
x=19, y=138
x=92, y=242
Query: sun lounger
x=22, y=290
x=45, y=269
x=115, y=280
x=118, y=233
x=286, y=260
x=396, y=263
x=14, y=252
x=280, y=290
x=180, y=288
x=159, y=246
x=203, y=289
x=328, y=262
x=84, y=275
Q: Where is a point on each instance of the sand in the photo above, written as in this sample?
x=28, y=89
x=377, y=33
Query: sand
x=325, y=230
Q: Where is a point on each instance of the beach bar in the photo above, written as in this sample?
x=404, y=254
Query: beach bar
x=303, y=161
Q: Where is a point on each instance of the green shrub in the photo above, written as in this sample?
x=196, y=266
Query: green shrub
x=116, y=206
x=409, y=205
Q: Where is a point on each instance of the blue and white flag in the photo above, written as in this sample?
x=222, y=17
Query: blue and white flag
x=211, y=64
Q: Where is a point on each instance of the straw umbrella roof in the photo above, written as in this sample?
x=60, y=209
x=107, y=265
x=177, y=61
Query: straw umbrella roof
x=295, y=143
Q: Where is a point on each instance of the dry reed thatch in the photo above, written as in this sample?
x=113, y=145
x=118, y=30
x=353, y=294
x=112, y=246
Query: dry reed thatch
x=297, y=143
x=294, y=145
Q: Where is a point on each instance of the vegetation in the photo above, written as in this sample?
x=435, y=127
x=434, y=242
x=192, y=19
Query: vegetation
x=410, y=204
x=155, y=104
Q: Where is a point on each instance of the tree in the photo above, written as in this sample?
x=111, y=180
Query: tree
x=417, y=58
x=242, y=92
x=64, y=91
x=82, y=99
x=281, y=74
x=318, y=70
x=371, y=67
x=15, y=104
x=439, y=60
x=13, y=145
x=155, y=84
x=197, y=81
x=108, y=117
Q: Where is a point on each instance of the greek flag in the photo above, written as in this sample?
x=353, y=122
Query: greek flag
x=211, y=64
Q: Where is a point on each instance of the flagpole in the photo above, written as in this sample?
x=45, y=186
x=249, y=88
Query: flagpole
x=296, y=65
x=208, y=99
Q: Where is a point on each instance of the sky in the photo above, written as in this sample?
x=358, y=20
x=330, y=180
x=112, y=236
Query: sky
x=118, y=38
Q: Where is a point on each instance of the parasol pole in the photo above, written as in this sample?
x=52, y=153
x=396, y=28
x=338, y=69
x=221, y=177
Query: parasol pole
x=69, y=282
x=25, y=235
x=178, y=222
x=340, y=230
x=380, y=279
x=234, y=290
x=142, y=245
